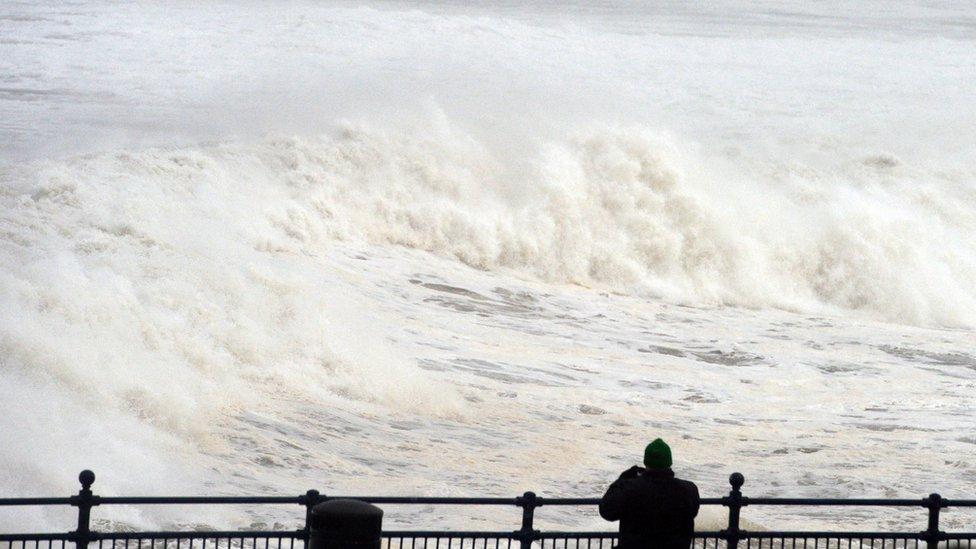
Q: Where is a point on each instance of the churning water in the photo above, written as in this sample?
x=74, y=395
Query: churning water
x=412, y=248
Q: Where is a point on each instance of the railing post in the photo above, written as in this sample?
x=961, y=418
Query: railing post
x=309, y=500
x=526, y=534
x=734, y=502
x=932, y=534
x=84, y=501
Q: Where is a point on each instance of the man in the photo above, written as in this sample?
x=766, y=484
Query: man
x=655, y=509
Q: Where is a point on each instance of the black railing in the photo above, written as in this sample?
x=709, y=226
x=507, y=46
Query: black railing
x=732, y=537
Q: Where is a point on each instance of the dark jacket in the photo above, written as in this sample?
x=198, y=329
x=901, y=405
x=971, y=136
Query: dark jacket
x=655, y=509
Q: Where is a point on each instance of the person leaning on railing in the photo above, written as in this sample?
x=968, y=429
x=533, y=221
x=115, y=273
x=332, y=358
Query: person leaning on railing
x=655, y=509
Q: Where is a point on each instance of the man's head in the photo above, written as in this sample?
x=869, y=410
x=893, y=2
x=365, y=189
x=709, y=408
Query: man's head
x=657, y=455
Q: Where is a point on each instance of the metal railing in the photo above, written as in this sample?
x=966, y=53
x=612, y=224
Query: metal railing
x=732, y=537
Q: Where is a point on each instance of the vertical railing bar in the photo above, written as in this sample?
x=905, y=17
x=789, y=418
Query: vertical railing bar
x=932, y=534
x=84, y=501
x=310, y=499
x=526, y=533
x=734, y=502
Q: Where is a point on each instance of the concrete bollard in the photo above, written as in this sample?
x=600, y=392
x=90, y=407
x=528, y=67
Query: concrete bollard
x=345, y=524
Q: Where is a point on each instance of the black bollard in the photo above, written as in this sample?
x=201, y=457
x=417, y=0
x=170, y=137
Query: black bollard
x=345, y=524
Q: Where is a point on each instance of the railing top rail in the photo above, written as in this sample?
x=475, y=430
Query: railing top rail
x=34, y=501
x=198, y=500
x=434, y=500
x=857, y=502
x=300, y=500
x=514, y=501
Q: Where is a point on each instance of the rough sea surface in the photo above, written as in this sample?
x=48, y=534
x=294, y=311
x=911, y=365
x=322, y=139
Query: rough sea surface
x=407, y=248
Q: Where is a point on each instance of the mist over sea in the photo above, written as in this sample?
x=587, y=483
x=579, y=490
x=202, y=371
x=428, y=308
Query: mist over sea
x=411, y=248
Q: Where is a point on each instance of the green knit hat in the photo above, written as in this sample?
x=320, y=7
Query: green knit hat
x=657, y=455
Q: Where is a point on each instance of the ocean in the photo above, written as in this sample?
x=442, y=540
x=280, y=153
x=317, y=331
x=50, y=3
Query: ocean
x=429, y=248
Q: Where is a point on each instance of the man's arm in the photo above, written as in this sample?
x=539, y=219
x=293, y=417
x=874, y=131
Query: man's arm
x=615, y=501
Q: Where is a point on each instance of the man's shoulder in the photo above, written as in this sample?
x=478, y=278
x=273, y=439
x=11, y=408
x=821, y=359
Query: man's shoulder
x=685, y=481
x=687, y=485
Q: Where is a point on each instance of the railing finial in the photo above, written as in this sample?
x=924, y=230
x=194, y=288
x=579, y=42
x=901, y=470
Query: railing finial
x=737, y=480
x=86, y=478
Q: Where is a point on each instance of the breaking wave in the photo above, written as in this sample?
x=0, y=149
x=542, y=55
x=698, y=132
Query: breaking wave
x=620, y=209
